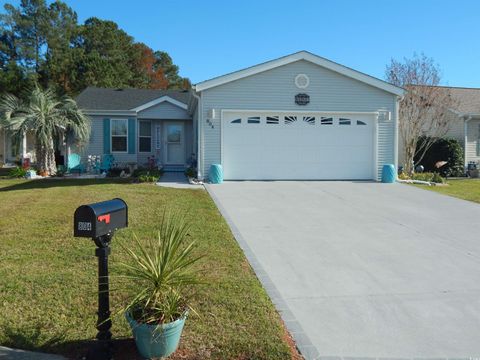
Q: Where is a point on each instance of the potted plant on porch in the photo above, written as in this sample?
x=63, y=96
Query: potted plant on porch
x=162, y=271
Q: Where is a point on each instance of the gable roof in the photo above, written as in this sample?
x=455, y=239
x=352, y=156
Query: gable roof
x=468, y=99
x=301, y=55
x=93, y=98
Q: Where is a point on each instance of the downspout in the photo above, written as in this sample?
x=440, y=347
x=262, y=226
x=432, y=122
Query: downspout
x=466, y=119
x=199, y=135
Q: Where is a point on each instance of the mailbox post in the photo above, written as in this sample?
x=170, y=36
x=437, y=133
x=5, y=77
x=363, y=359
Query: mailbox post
x=99, y=221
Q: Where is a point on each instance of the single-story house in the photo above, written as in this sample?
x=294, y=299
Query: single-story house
x=297, y=117
x=464, y=122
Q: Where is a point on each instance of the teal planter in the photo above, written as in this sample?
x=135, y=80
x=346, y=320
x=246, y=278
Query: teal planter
x=155, y=341
x=216, y=174
x=389, y=174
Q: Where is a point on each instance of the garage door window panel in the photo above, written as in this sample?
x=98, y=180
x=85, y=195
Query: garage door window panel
x=253, y=120
x=326, y=120
x=273, y=120
x=236, y=121
x=360, y=122
x=290, y=120
x=310, y=120
x=344, y=121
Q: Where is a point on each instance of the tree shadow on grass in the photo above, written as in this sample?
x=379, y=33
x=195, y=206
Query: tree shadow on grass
x=52, y=183
x=32, y=339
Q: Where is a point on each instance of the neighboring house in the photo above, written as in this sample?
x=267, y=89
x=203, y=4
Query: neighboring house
x=465, y=123
x=13, y=150
x=297, y=117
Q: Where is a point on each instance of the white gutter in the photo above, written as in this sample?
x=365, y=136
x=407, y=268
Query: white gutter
x=199, y=134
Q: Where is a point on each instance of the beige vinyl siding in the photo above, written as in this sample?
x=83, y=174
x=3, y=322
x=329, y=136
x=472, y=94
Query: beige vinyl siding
x=473, y=132
x=275, y=90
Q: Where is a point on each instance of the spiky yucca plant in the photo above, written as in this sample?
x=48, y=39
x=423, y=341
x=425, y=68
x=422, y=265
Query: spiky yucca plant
x=162, y=268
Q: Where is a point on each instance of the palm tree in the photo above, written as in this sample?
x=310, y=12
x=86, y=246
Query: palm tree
x=48, y=117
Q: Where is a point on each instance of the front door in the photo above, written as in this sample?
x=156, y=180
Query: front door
x=174, y=143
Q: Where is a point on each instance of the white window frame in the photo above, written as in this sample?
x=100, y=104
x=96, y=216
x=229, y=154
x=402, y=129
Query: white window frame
x=141, y=136
x=111, y=136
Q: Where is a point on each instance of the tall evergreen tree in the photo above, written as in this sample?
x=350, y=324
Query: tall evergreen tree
x=62, y=31
x=148, y=75
x=44, y=44
x=165, y=62
x=109, y=55
x=29, y=27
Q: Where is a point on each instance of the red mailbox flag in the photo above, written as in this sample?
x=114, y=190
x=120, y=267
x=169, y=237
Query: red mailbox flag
x=105, y=218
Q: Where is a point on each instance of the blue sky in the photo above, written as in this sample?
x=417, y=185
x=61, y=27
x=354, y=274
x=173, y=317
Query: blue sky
x=208, y=38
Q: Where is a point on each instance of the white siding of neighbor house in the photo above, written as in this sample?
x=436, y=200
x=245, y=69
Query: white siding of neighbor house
x=164, y=110
x=275, y=90
x=473, y=133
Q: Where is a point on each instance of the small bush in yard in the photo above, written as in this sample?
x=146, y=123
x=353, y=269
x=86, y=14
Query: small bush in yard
x=428, y=176
x=147, y=175
x=190, y=172
x=17, y=172
x=147, y=178
x=116, y=171
x=443, y=149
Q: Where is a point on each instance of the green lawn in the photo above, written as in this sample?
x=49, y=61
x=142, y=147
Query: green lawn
x=48, y=278
x=467, y=189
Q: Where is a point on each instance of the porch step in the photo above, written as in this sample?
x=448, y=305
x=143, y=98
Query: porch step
x=174, y=168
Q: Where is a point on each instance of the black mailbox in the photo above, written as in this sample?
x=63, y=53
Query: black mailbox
x=100, y=219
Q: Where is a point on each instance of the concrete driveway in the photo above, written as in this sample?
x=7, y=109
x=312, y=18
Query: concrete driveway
x=364, y=270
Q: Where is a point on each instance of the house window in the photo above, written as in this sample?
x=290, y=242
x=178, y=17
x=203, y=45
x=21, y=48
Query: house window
x=119, y=132
x=144, y=136
x=253, y=120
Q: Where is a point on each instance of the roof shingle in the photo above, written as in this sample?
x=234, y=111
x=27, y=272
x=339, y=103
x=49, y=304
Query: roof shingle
x=93, y=98
x=468, y=99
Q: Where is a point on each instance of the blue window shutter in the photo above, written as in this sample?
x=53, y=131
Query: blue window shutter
x=131, y=136
x=106, y=136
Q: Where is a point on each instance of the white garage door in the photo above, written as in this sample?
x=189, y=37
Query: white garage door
x=277, y=145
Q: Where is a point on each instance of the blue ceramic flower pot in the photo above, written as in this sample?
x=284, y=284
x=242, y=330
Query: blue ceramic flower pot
x=157, y=340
